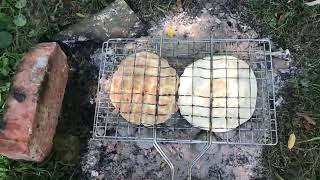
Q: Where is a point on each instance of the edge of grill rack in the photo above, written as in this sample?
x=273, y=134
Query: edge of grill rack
x=272, y=123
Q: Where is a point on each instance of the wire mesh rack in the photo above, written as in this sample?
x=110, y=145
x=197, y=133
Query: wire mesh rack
x=260, y=129
x=212, y=91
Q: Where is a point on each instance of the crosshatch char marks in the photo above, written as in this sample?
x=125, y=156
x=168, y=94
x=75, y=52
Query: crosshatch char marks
x=139, y=79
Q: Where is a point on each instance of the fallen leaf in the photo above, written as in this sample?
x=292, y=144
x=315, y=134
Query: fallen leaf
x=20, y=4
x=308, y=121
x=281, y=18
x=5, y=21
x=179, y=5
x=163, y=164
x=20, y=20
x=278, y=176
x=170, y=31
x=291, y=141
x=306, y=125
x=5, y=39
x=80, y=15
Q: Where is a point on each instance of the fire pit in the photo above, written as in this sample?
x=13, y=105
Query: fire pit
x=246, y=111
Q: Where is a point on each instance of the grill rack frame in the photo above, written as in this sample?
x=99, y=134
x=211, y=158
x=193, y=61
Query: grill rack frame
x=114, y=50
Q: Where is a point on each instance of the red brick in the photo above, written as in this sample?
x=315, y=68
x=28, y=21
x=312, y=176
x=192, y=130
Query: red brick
x=34, y=103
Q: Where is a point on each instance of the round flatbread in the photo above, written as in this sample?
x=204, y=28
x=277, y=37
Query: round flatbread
x=234, y=92
x=134, y=85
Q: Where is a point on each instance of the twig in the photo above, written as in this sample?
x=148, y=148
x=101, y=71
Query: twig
x=312, y=3
x=17, y=33
x=310, y=140
x=179, y=5
x=57, y=6
x=169, y=5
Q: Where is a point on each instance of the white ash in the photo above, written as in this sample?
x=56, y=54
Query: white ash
x=207, y=23
x=283, y=67
x=129, y=161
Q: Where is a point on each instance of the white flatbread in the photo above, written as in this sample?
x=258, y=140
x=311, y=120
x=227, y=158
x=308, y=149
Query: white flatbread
x=234, y=92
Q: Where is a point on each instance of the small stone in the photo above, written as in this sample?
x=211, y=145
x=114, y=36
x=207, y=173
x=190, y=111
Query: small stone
x=34, y=103
x=100, y=177
x=204, y=11
x=94, y=173
x=159, y=174
x=284, y=71
x=133, y=157
x=220, y=15
x=242, y=28
x=116, y=157
x=217, y=20
x=281, y=54
x=231, y=22
x=93, y=158
x=280, y=65
x=110, y=147
x=100, y=132
x=208, y=6
x=287, y=53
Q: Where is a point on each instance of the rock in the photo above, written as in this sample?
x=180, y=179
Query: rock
x=100, y=177
x=217, y=21
x=282, y=54
x=222, y=14
x=116, y=157
x=115, y=21
x=231, y=22
x=242, y=28
x=279, y=101
x=92, y=158
x=280, y=65
x=34, y=103
x=94, y=173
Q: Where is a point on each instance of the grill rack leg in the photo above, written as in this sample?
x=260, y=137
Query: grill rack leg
x=162, y=153
x=196, y=159
x=167, y=160
x=201, y=153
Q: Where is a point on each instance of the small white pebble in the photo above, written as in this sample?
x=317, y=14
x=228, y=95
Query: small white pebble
x=94, y=173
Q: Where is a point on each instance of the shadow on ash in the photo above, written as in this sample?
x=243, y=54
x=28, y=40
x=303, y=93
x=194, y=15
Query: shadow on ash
x=140, y=160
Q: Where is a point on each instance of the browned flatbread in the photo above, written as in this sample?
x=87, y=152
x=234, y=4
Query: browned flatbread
x=134, y=86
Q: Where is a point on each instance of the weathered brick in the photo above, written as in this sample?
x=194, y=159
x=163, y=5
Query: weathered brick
x=34, y=103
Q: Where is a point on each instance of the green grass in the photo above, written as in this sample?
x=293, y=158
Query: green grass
x=43, y=20
x=294, y=26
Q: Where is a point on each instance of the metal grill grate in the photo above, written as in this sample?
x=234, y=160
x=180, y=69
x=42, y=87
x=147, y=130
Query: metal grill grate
x=260, y=129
